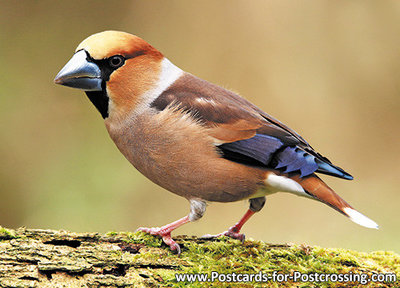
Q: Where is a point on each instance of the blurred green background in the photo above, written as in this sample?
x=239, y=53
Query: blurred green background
x=328, y=69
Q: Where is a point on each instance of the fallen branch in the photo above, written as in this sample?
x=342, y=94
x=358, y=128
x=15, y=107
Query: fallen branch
x=46, y=258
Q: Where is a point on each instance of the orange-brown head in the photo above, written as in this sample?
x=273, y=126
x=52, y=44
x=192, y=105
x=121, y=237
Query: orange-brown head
x=115, y=69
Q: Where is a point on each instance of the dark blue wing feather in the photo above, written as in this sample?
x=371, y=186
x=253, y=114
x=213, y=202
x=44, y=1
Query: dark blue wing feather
x=260, y=147
x=271, y=152
x=294, y=159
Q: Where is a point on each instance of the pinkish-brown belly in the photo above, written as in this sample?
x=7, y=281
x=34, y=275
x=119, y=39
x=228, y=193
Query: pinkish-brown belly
x=180, y=157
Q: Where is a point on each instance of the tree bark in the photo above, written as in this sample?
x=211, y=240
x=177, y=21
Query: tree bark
x=46, y=258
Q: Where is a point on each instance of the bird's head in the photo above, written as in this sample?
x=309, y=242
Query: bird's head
x=114, y=69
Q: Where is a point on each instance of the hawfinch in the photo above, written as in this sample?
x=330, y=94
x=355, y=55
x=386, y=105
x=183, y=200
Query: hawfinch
x=193, y=138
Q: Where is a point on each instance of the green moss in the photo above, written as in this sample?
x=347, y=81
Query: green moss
x=111, y=234
x=143, y=238
x=6, y=234
x=227, y=256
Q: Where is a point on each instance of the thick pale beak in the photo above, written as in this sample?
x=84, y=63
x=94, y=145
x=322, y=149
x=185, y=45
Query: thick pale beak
x=80, y=73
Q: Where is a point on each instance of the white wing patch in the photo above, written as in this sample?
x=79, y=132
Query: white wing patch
x=275, y=183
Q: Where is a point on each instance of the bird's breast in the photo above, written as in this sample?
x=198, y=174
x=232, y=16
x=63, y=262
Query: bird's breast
x=174, y=151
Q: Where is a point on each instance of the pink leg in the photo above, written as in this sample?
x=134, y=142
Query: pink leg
x=233, y=232
x=165, y=232
x=197, y=209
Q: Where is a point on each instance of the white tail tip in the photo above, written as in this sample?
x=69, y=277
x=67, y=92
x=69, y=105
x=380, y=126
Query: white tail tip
x=360, y=219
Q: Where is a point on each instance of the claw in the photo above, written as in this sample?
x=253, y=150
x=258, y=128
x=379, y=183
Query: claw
x=235, y=235
x=165, y=235
x=231, y=232
x=176, y=248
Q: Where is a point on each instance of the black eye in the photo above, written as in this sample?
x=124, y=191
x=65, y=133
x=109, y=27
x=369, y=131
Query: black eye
x=116, y=61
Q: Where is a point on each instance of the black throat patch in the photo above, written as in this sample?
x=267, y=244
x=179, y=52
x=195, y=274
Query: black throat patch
x=100, y=100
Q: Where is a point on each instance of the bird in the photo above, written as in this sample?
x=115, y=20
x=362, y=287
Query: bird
x=194, y=138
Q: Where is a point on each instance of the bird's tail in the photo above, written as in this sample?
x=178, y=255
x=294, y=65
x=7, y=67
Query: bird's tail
x=317, y=189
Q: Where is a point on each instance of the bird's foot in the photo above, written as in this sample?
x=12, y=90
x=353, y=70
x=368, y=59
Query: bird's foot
x=232, y=232
x=165, y=234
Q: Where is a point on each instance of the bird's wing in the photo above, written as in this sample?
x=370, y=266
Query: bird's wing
x=243, y=132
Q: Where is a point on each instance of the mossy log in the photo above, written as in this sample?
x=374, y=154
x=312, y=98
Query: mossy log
x=47, y=258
